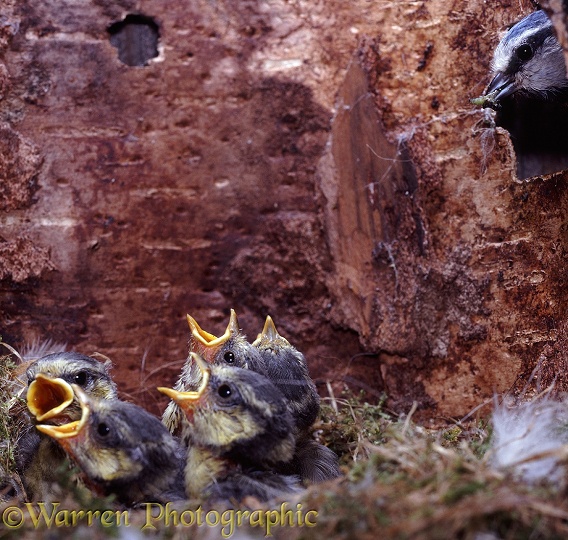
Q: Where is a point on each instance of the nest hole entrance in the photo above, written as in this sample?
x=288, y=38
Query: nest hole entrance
x=538, y=131
x=136, y=38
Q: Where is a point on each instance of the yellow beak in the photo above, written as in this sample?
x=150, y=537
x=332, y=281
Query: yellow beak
x=48, y=397
x=209, y=340
x=188, y=400
x=72, y=429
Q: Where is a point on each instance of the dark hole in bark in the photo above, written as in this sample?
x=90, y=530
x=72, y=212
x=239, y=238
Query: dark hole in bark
x=538, y=130
x=136, y=38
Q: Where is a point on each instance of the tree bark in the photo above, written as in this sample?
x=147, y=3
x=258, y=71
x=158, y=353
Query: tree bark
x=315, y=161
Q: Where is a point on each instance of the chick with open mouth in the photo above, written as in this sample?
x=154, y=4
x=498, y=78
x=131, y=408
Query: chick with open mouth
x=51, y=400
x=239, y=429
x=230, y=349
x=120, y=449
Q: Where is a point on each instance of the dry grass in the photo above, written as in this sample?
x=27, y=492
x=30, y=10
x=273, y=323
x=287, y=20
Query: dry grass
x=405, y=481
x=11, y=423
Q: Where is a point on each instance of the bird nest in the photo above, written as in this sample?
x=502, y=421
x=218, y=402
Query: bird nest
x=401, y=481
x=413, y=482
x=11, y=421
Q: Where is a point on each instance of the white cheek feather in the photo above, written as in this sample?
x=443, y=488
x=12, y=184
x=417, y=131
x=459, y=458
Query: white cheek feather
x=505, y=49
x=501, y=58
x=530, y=440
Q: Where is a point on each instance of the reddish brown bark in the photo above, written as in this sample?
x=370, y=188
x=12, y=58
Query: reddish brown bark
x=315, y=161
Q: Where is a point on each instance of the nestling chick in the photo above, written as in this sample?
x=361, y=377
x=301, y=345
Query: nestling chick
x=286, y=367
x=39, y=457
x=89, y=374
x=528, y=60
x=123, y=450
x=239, y=428
x=230, y=349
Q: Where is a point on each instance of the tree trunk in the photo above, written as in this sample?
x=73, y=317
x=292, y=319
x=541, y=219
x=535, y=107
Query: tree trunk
x=316, y=161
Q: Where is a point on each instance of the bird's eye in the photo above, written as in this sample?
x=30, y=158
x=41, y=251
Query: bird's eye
x=224, y=391
x=103, y=430
x=229, y=357
x=80, y=378
x=524, y=52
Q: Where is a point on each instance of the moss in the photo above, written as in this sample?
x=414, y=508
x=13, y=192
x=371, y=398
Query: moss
x=451, y=436
x=347, y=424
x=462, y=490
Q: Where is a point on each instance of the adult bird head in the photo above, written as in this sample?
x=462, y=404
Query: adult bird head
x=528, y=60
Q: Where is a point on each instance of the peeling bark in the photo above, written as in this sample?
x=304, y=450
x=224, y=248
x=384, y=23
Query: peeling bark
x=21, y=260
x=19, y=167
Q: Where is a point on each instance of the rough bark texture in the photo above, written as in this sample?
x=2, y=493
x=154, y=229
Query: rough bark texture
x=317, y=161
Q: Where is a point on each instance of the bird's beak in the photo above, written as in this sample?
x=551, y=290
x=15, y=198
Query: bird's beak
x=269, y=335
x=73, y=429
x=209, y=340
x=189, y=400
x=500, y=87
x=198, y=333
x=269, y=332
x=48, y=397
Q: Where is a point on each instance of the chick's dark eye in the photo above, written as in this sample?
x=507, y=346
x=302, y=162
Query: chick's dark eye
x=229, y=357
x=80, y=378
x=224, y=391
x=524, y=52
x=103, y=430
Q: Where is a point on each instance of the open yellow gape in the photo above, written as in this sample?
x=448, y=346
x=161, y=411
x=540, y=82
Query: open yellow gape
x=48, y=397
